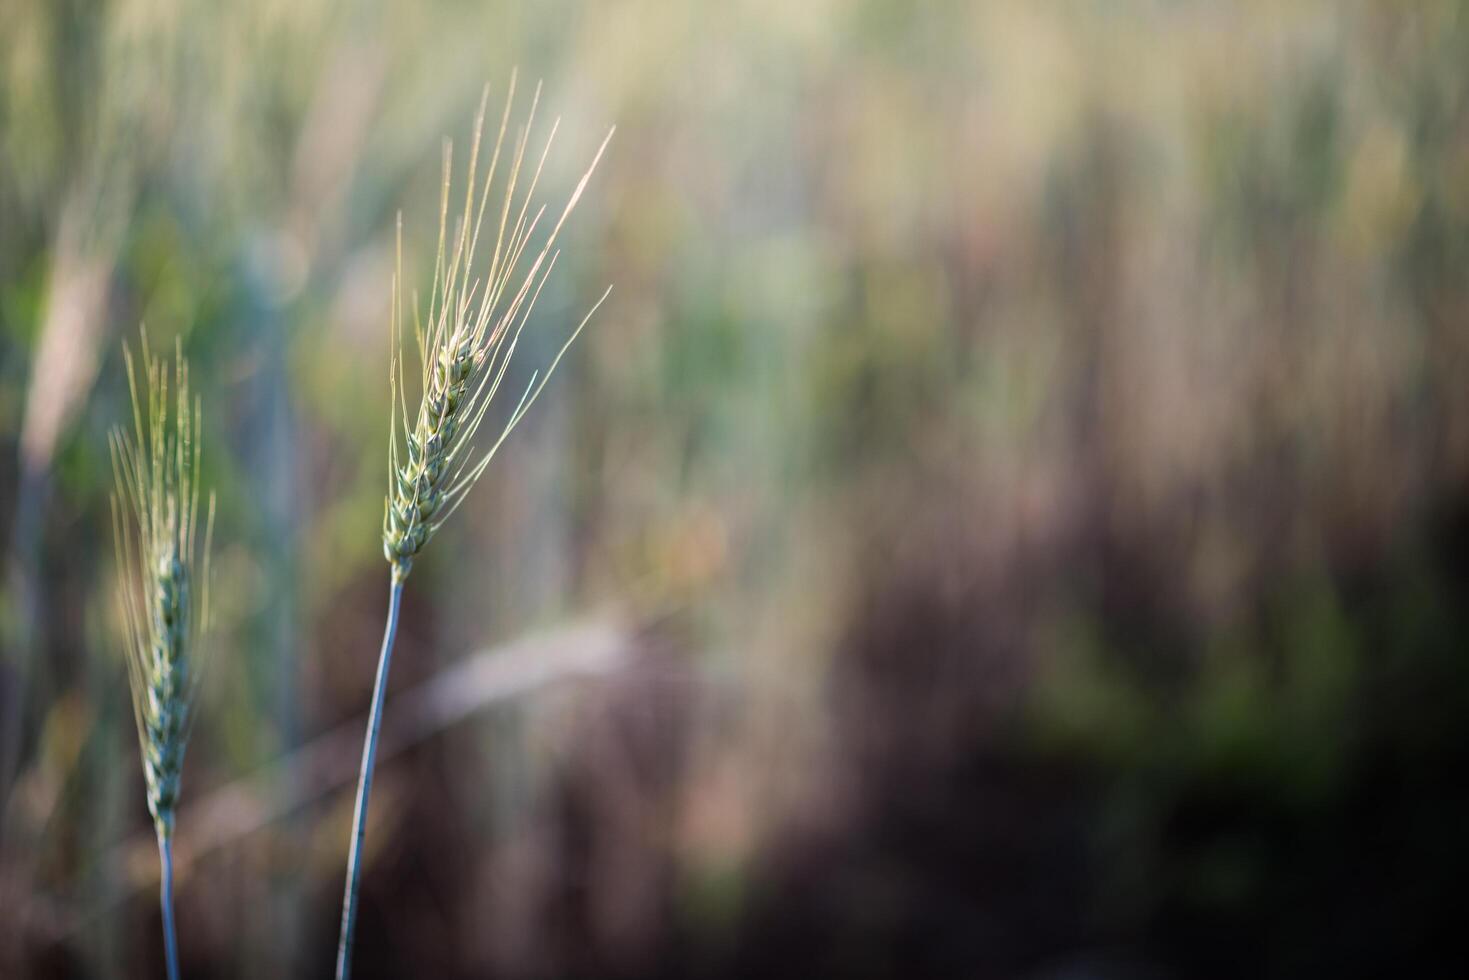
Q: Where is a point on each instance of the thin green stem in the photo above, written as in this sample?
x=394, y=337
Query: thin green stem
x=165, y=900
x=364, y=783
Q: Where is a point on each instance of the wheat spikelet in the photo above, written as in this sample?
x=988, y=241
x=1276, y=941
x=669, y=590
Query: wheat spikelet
x=473, y=325
x=164, y=567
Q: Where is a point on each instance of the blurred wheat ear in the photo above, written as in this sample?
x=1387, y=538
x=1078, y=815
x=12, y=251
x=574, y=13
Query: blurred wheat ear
x=465, y=343
x=163, y=584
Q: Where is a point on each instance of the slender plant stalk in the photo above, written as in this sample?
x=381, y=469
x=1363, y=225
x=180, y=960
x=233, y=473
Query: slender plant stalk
x=473, y=325
x=165, y=901
x=163, y=586
x=364, y=785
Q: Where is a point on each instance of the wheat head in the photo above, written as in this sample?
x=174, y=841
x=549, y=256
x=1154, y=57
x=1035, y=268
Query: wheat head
x=164, y=567
x=474, y=322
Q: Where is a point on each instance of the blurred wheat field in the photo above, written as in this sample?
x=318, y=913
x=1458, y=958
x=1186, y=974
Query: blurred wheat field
x=1009, y=520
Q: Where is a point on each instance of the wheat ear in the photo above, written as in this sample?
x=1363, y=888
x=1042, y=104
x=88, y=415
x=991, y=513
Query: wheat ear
x=465, y=343
x=164, y=584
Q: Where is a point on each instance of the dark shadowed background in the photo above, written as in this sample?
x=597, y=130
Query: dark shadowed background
x=1011, y=518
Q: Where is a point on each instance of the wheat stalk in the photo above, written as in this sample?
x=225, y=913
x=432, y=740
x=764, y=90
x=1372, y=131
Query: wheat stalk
x=465, y=342
x=155, y=523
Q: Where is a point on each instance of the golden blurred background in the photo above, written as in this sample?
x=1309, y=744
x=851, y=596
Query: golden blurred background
x=1011, y=518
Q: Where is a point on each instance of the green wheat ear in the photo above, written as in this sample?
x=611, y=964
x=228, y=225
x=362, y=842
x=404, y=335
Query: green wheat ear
x=164, y=567
x=474, y=323
x=163, y=575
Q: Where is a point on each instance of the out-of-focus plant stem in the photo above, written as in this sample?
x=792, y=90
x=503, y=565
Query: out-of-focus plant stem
x=165, y=902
